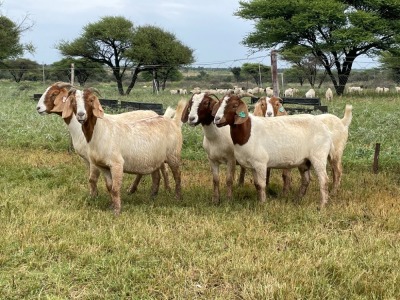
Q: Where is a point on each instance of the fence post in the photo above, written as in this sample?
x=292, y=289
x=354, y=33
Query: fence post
x=375, y=166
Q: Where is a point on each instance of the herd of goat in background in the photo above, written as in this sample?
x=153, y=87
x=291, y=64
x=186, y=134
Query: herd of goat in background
x=142, y=142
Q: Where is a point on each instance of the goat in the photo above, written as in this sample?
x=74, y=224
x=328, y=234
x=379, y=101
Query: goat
x=116, y=146
x=301, y=141
x=273, y=107
x=53, y=101
x=339, y=129
x=217, y=142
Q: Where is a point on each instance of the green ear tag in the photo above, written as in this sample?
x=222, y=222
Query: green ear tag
x=281, y=109
x=242, y=114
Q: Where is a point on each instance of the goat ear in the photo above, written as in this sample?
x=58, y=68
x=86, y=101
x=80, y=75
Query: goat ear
x=215, y=108
x=242, y=114
x=185, y=113
x=98, y=109
x=67, y=110
x=59, y=104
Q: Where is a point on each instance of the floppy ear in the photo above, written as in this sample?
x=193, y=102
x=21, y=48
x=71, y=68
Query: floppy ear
x=242, y=114
x=67, y=110
x=215, y=108
x=59, y=104
x=185, y=113
x=98, y=109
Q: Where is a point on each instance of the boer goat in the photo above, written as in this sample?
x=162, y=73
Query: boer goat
x=53, y=101
x=217, y=142
x=286, y=142
x=117, y=147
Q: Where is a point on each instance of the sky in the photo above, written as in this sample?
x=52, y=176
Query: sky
x=209, y=27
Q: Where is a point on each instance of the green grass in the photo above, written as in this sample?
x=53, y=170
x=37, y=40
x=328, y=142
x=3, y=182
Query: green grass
x=58, y=243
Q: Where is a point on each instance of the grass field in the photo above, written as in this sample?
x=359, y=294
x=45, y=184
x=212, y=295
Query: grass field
x=58, y=243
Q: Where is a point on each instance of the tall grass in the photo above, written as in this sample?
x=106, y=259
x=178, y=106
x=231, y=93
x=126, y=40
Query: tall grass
x=58, y=243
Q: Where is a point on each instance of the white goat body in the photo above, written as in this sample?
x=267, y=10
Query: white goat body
x=217, y=142
x=116, y=146
x=300, y=140
x=53, y=101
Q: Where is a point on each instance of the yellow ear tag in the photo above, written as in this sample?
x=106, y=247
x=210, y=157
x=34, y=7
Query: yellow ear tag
x=242, y=114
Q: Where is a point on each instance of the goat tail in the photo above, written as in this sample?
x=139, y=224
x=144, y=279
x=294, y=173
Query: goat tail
x=179, y=111
x=348, y=115
x=169, y=113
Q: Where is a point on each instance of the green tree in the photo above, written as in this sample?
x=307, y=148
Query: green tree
x=390, y=61
x=336, y=32
x=236, y=71
x=115, y=42
x=294, y=74
x=83, y=70
x=159, y=52
x=10, y=33
x=20, y=66
x=104, y=42
x=255, y=71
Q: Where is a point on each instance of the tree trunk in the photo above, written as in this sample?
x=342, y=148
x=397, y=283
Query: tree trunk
x=118, y=77
x=133, y=80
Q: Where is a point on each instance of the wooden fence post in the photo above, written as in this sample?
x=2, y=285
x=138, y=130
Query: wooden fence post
x=375, y=166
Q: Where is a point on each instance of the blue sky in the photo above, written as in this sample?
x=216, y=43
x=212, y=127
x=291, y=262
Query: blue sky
x=209, y=27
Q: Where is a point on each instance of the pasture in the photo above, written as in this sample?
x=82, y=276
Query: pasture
x=58, y=243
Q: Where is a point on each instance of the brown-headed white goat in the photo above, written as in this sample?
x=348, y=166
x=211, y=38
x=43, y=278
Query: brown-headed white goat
x=301, y=141
x=53, y=101
x=117, y=147
x=217, y=142
x=339, y=129
x=266, y=106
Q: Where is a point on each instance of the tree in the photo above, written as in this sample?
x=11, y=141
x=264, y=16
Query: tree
x=104, y=42
x=83, y=70
x=20, y=66
x=294, y=74
x=390, y=61
x=158, y=51
x=236, y=73
x=336, y=32
x=255, y=71
x=115, y=42
x=10, y=33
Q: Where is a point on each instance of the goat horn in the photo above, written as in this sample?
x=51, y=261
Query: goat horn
x=94, y=90
x=63, y=85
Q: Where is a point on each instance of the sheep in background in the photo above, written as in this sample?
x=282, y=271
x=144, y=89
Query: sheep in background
x=329, y=94
x=288, y=92
x=269, y=92
x=355, y=89
x=310, y=93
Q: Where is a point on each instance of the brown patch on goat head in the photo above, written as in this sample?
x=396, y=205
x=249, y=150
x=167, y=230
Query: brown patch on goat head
x=92, y=103
x=205, y=109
